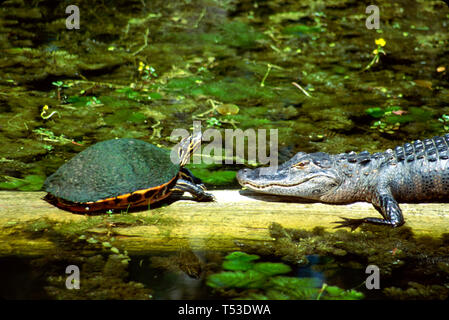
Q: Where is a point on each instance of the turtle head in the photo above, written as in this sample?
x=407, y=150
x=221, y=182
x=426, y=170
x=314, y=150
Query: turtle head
x=187, y=146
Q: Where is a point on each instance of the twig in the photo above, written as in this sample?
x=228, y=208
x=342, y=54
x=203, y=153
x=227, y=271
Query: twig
x=199, y=19
x=302, y=89
x=95, y=83
x=262, y=83
x=145, y=38
x=214, y=106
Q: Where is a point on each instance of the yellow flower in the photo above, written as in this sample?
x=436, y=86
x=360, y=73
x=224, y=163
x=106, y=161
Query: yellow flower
x=375, y=51
x=141, y=66
x=380, y=42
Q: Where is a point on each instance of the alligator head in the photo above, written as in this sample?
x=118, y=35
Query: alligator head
x=310, y=176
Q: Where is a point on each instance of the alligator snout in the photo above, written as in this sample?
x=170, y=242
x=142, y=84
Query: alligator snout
x=242, y=175
x=259, y=178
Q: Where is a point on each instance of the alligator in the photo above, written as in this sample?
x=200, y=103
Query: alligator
x=413, y=172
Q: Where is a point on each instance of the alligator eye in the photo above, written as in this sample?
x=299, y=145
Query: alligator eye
x=301, y=164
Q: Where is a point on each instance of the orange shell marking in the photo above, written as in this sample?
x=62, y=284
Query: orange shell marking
x=137, y=198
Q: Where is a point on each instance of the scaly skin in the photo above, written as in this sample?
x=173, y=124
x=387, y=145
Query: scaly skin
x=412, y=172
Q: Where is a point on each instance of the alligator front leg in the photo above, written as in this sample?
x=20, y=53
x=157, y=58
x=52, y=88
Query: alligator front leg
x=388, y=208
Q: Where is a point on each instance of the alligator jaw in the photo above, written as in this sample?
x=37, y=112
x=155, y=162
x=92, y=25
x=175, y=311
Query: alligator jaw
x=286, y=182
x=271, y=183
x=254, y=180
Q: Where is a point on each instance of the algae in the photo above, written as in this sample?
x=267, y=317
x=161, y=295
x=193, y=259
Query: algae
x=213, y=176
x=236, y=34
x=263, y=280
x=29, y=183
x=102, y=278
x=394, y=251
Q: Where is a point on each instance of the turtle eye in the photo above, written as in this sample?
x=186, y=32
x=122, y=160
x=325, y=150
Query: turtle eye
x=301, y=164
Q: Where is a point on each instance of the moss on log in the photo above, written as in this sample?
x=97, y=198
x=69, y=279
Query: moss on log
x=31, y=226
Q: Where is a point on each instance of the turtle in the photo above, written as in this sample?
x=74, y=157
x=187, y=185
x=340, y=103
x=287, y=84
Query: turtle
x=123, y=173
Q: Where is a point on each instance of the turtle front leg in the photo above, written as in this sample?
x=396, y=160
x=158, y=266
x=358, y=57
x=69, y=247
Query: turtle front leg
x=197, y=191
x=186, y=174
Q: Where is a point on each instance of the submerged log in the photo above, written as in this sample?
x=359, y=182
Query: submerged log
x=236, y=216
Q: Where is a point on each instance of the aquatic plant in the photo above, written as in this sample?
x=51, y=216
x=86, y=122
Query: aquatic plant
x=44, y=113
x=213, y=122
x=48, y=135
x=445, y=121
x=223, y=109
x=227, y=109
x=265, y=280
x=93, y=101
x=269, y=67
x=384, y=127
x=59, y=85
x=391, y=118
x=146, y=72
x=379, y=50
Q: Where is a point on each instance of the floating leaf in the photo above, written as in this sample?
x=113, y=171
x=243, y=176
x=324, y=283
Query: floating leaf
x=92, y=240
x=296, y=288
x=271, y=268
x=258, y=279
x=237, y=265
x=227, y=109
x=334, y=291
x=115, y=250
x=353, y=295
x=292, y=282
x=106, y=244
x=253, y=279
x=227, y=279
x=375, y=112
x=238, y=255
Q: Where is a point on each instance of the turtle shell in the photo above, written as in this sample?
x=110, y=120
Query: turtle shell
x=111, y=169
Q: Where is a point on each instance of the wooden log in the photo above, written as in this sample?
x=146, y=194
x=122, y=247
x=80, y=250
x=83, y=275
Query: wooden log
x=236, y=216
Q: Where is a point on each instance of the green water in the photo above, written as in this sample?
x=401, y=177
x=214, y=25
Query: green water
x=141, y=69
